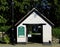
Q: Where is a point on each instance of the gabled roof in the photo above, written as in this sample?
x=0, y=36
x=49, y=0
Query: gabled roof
x=41, y=15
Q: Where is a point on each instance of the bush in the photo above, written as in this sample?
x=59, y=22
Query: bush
x=56, y=32
x=4, y=28
x=6, y=39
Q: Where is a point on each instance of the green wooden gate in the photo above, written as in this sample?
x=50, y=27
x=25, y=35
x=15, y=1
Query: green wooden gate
x=21, y=31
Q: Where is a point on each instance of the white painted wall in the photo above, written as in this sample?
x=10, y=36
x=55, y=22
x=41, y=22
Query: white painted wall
x=35, y=19
x=47, y=33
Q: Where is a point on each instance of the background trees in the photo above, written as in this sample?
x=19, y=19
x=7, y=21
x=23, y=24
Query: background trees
x=21, y=7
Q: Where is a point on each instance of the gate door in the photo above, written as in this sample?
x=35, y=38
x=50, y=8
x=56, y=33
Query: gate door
x=21, y=31
x=21, y=34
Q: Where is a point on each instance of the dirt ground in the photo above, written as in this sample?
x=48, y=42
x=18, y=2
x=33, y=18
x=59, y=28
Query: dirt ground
x=30, y=45
x=55, y=43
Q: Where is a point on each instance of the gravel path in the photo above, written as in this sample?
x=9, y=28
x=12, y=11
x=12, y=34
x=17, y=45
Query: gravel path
x=29, y=45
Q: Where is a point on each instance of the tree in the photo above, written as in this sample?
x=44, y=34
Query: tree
x=57, y=3
x=21, y=7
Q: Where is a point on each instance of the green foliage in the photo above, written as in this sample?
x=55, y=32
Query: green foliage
x=57, y=12
x=2, y=20
x=3, y=5
x=4, y=28
x=56, y=32
x=6, y=39
x=21, y=5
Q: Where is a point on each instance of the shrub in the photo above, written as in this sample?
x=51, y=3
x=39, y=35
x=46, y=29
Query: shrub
x=56, y=32
x=6, y=39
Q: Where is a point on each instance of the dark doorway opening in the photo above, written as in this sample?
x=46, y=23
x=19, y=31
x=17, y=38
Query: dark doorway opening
x=34, y=33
